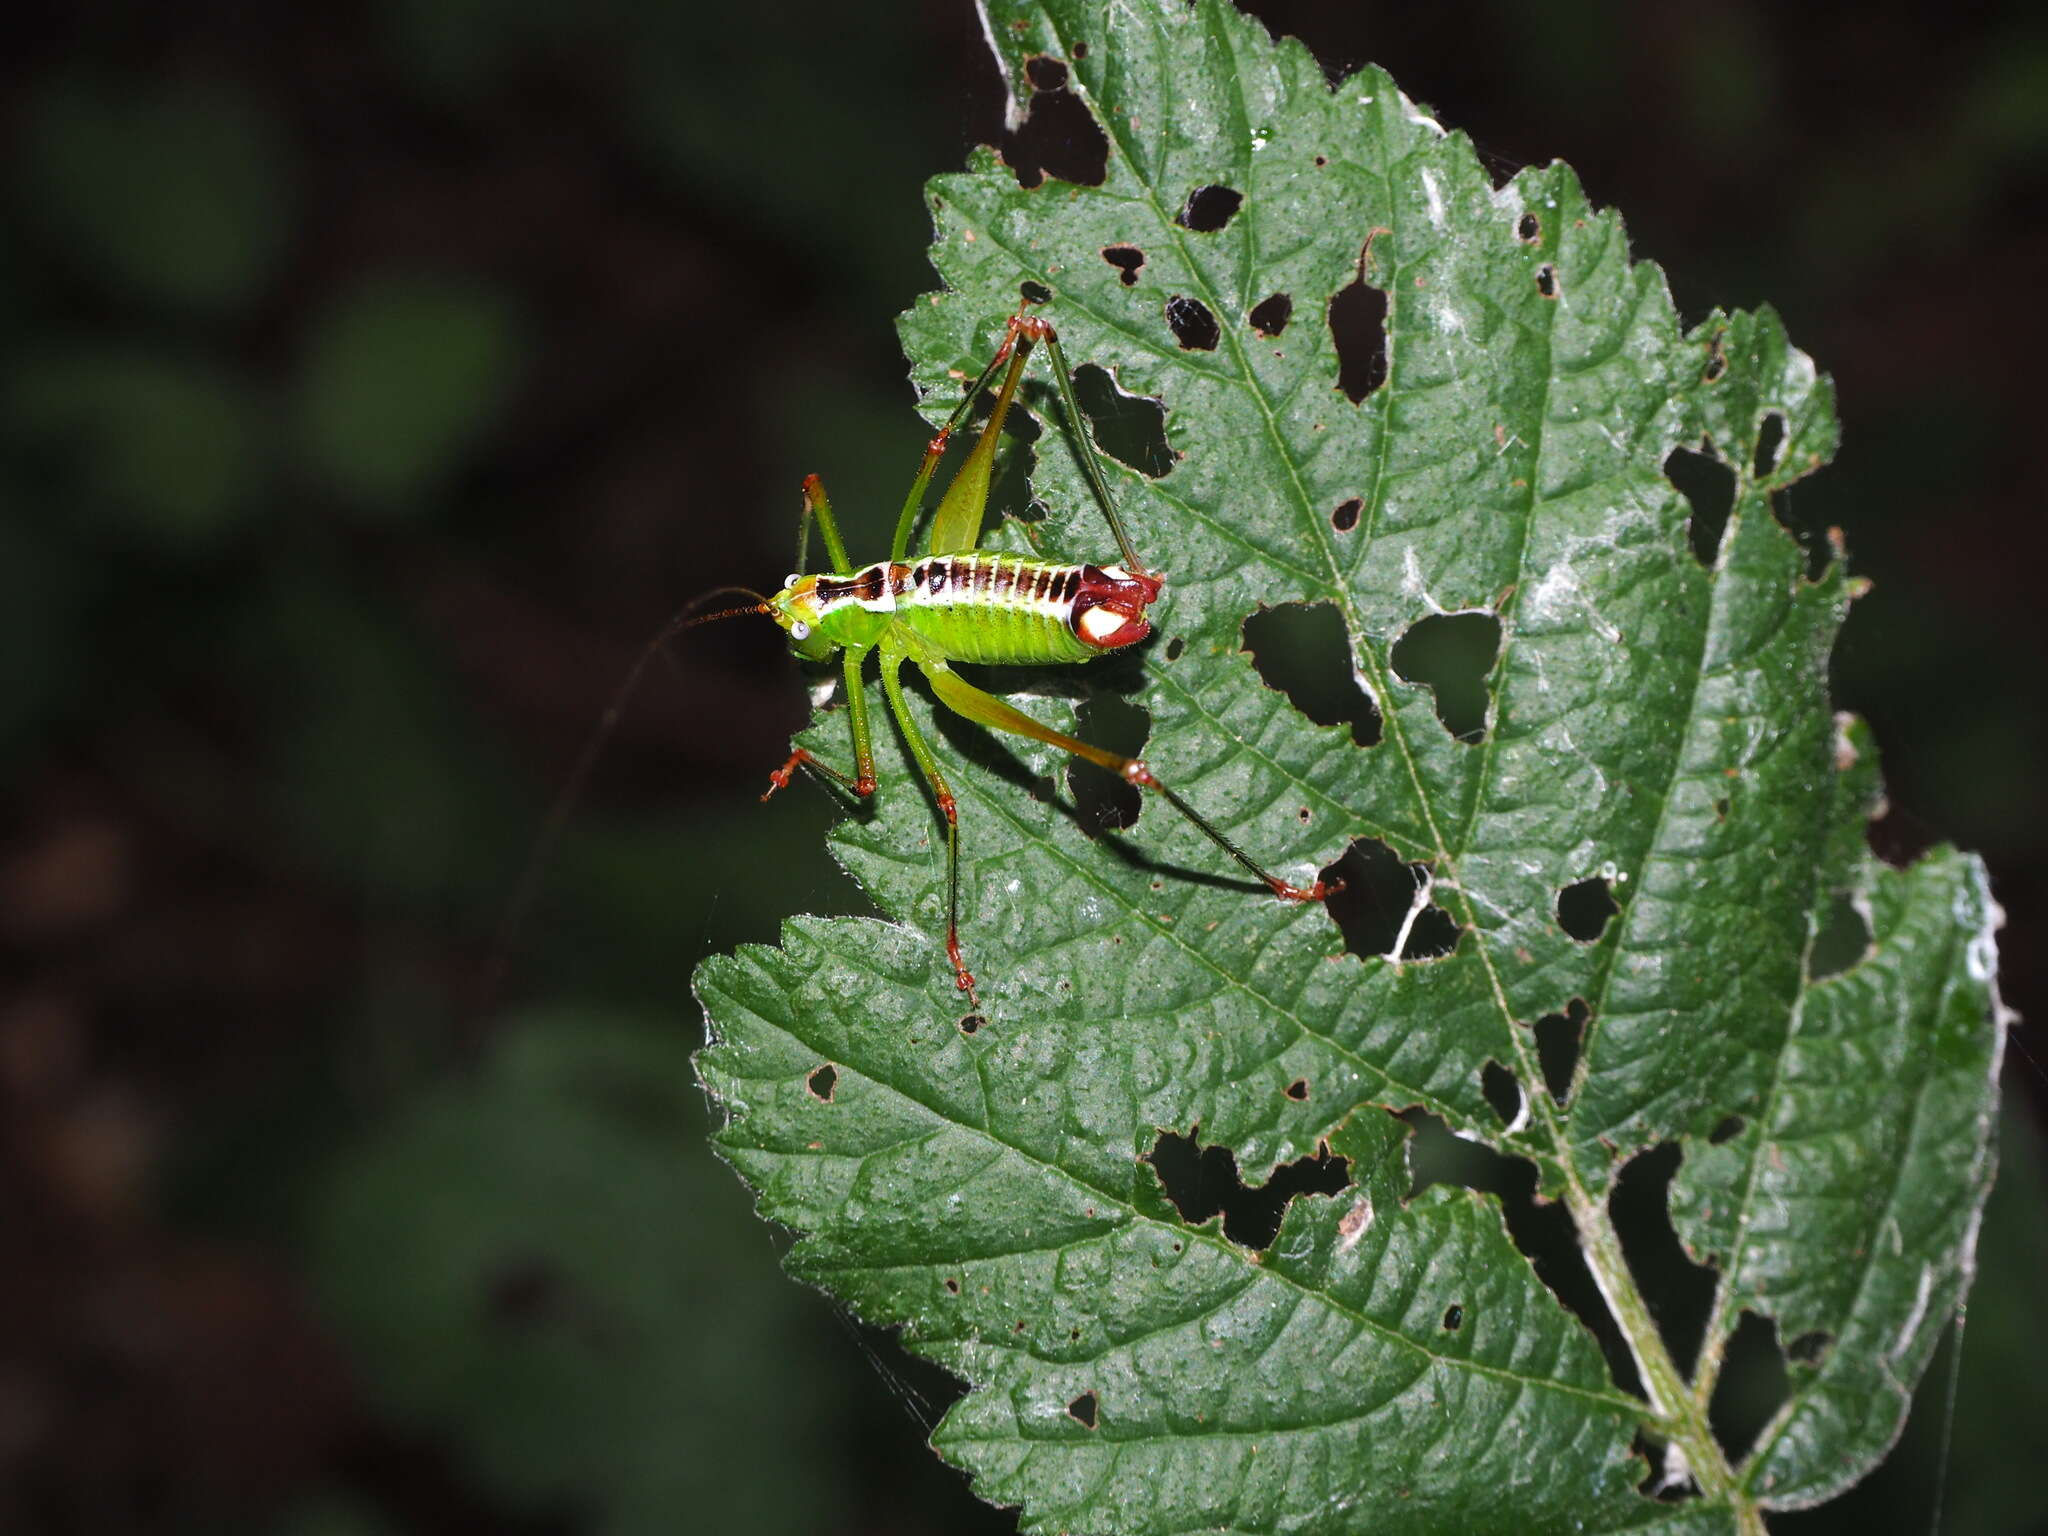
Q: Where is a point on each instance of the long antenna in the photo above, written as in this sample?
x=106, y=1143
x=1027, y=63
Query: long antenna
x=519, y=905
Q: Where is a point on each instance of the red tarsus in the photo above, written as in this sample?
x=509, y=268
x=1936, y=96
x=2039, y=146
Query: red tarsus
x=1322, y=890
x=863, y=784
x=780, y=778
x=962, y=977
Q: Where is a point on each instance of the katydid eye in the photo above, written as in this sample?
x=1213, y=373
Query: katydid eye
x=792, y=578
x=800, y=630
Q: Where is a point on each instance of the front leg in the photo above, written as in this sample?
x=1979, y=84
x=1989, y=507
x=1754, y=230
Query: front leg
x=861, y=782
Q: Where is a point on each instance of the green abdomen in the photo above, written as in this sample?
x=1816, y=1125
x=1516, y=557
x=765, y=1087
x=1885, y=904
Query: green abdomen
x=992, y=608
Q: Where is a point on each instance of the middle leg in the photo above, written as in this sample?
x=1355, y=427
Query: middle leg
x=949, y=811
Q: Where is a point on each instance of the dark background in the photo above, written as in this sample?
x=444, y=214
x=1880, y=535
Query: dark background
x=376, y=378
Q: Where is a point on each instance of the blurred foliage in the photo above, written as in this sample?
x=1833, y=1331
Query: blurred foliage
x=400, y=377
x=162, y=450
x=373, y=382
x=177, y=194
x=531, y=1258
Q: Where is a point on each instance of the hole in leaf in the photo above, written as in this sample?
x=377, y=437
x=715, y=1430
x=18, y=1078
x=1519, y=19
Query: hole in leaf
x=1543, y=1232
x=1557, y=1048
x=1810, y=1348
x=1652, y=1453
x=1192, y=324
x=1297, y=1090
x=971, y=1023
x=1301, y=649
x=1717, y=361
x=1033, y=293
x=1010, y=494
x=1529, y=228
x=1127, y=259
x=1358, y=328
x=1843, y=940
x=1546, y=280
x=1059, y=136
x=1082, y=1410
x=1584, y=908
x=823, y=1083
x=1454, y=1318
x=1680, y=1292
x=1203, y=1181
x=1729, y=1128
x=1753, y=1385
x=1708, y=487
x=1384, y=904
x=1270, y=315
x=1175, y=647
x=1079, y=51
x=1208, y=209
x=1104, y=801
x=1345, y=518
x=1665, y=1480
x=1045, y=72
x=1451, y=653
x=1819, y=544
x=1129, y=428
x=1503, y=1092
x=952, y=1286
x=1770, y=439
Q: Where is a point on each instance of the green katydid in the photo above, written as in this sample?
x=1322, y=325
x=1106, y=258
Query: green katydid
x=960, y=603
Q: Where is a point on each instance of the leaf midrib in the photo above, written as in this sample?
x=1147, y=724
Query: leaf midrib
x=1132, y=1215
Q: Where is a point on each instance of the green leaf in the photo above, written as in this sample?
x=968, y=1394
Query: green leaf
x=1652, y=725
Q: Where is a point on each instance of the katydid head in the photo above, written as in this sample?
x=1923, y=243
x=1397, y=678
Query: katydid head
x=796, y=609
